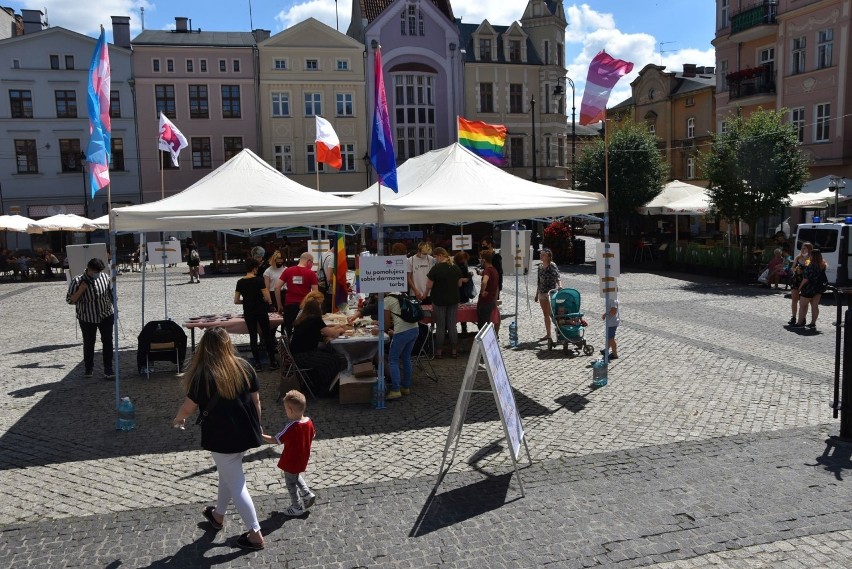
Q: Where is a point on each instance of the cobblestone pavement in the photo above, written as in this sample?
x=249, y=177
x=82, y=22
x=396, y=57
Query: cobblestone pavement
x=706, y=448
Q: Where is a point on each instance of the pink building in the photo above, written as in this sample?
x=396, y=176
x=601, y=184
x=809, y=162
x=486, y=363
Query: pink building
x=205, y=83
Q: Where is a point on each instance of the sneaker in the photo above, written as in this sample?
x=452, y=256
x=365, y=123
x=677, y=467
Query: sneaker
x=792, y=321
x=812, y=325
x=294, y=511
x=88, y=373
x=393, y=395
x=109, y=375
x=405, y=390
x=310, y=501
x=613, y=357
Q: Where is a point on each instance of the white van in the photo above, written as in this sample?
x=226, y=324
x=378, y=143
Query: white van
x=833, y=241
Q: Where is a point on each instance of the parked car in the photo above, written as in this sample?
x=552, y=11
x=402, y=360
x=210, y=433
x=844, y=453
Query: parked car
x=592, y=228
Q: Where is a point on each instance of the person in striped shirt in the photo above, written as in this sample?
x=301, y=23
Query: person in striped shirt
x=91, y=294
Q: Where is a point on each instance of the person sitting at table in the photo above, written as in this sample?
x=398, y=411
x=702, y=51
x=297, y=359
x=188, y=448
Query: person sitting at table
x=252, y=293
x=50, y=263
x=307, y=345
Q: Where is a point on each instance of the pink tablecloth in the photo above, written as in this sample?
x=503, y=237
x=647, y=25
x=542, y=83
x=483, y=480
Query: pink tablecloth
x=234, y=324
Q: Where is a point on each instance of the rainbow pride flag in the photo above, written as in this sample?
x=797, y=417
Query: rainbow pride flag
x=341, y=293
x=485, y=140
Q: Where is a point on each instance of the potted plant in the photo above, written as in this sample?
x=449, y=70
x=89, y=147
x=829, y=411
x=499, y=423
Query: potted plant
x=558, y=237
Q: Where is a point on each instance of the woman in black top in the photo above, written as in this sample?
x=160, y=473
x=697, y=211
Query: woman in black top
x=193, y=260
x=252, y=293
x=225, y=390
x=309, y=331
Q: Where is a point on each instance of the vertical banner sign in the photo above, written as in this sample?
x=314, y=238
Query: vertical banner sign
x=383, y=274
x=509, y=250
x=317, y=247
x=462, y=242
x=608, y=254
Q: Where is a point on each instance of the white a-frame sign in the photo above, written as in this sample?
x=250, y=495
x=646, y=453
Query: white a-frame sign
x=486, y=353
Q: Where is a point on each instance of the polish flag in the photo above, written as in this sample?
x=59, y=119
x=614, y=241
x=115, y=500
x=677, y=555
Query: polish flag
x=328, y=145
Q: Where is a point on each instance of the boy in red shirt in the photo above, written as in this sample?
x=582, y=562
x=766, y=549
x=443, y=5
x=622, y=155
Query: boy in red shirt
x=296, y=436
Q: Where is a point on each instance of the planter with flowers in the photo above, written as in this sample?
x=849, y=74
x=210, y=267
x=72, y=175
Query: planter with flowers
x=559, y=238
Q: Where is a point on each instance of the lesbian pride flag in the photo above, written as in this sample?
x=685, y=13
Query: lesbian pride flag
x=604, y=73
x=328, y=145
x=488, y=141
x=100, y=128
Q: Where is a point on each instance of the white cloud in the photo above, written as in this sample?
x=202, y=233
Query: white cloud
x=321, y=10
x=73, y=15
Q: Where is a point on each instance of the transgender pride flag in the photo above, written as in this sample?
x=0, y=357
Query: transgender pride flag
x=100, y=128
x=604, y=73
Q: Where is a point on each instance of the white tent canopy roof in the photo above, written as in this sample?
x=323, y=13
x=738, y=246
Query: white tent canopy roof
x=672, y=192
x=245, y=192
x=696, y=204
x=453, y=185
x=15, y=223
x=61, y=222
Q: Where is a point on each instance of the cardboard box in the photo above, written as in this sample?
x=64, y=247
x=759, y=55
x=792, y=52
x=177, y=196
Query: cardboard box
x=355, y=389
x=364, y=369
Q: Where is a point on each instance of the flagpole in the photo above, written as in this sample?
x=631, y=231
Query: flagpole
x=163, y=235
x=380, y=250
x=606, y=283
x=113, y=273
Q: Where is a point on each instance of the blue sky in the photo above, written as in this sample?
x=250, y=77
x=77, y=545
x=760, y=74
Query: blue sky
x=628, y=29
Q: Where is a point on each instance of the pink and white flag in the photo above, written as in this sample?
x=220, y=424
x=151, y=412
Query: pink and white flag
x=328, y=145
x=604, y=73
x=171, y=139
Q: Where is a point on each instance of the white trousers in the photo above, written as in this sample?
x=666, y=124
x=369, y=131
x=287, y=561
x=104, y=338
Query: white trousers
x=232, y=486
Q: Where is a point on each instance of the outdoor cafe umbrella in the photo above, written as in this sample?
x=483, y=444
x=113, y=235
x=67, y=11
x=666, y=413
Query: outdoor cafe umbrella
x=695, y=204
x=16, y=223
x=62, y=222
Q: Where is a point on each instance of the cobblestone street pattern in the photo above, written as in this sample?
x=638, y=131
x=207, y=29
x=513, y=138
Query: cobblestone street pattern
x=707, y=448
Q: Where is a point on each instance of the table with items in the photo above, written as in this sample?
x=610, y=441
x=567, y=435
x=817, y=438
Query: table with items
x=232, y=323
x=360, y=341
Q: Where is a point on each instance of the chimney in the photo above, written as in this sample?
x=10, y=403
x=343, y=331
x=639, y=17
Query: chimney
x=689, y=69
x=180, y=24
x=260, y=35
x=34, y=21
x=121, y=31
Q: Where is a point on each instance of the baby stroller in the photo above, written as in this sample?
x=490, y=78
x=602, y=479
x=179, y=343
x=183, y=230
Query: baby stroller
x=566, y=316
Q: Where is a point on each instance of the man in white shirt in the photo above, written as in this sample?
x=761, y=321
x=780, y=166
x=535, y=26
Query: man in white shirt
x=417, y=267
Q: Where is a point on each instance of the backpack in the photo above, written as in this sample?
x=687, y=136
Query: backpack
x=409, y=308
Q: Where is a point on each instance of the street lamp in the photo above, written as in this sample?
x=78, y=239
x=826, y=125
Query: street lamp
x=532, y=112
x=836, y=184
x=558, y=91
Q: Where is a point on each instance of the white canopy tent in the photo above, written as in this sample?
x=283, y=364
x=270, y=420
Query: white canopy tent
x=101, y=222
x=672, y=192
x=453, y=185
x=244, y=192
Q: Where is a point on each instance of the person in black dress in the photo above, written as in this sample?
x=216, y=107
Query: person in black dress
x=310, y=333
x=252, y=293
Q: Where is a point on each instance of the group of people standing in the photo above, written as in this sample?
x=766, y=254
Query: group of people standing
x=808, y=283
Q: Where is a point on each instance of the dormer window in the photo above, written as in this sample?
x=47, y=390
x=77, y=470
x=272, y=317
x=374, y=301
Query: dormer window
x=411, y=21
x=515, y=51
x=485, y=49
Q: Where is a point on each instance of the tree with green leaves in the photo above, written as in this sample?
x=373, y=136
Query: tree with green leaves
x=637, y=169
x=754, y=166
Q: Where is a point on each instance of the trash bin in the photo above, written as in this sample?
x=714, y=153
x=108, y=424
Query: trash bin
x=579, y=251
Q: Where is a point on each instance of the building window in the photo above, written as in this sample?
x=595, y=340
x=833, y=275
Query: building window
x=283, y=158
x=233, y=146
x=652, y=128
x=231, y=102
x=486, y=97
x=485, y=49
x=198, y=102
x=690, y=168
x=548, y=149
x=166, y=161
x=170, y=65
x=313, y=104
x=822, y=122
x=69, y=155
x=200, y=153
x=723, y=127
x=114, y=104
x=280, y=65
x=516, y=152
x=155, y=65
x=411, y=21
x=280, y=104
x=344, y=104
x=54, y=62
x=515, y=51
x=723, y=71
x=116, y=159
x=164, y=96
x=546, y=52
x=202, y=64
x=189, y=66
x=16, y=63
x=21, y=103
x=313, y=166
x=311, y=65
x=415, y=114
x=235, y=65
x=723, y=17
x=825, y=40
x=223, y=66
x=690, y=102
x=560, y=150
x=690, y=127
x=516, y=98
x=347, y=154
x=69, y=62
x=798, y=59
x=560, y=54
x=66, y=104
x=26, y=156
x=343, y=65
x=797, y=119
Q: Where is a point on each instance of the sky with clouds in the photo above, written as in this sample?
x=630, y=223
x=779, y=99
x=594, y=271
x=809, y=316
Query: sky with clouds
x=671, y=32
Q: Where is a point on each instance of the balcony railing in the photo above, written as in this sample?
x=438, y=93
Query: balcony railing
x=762, y=13
x=750, y=82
